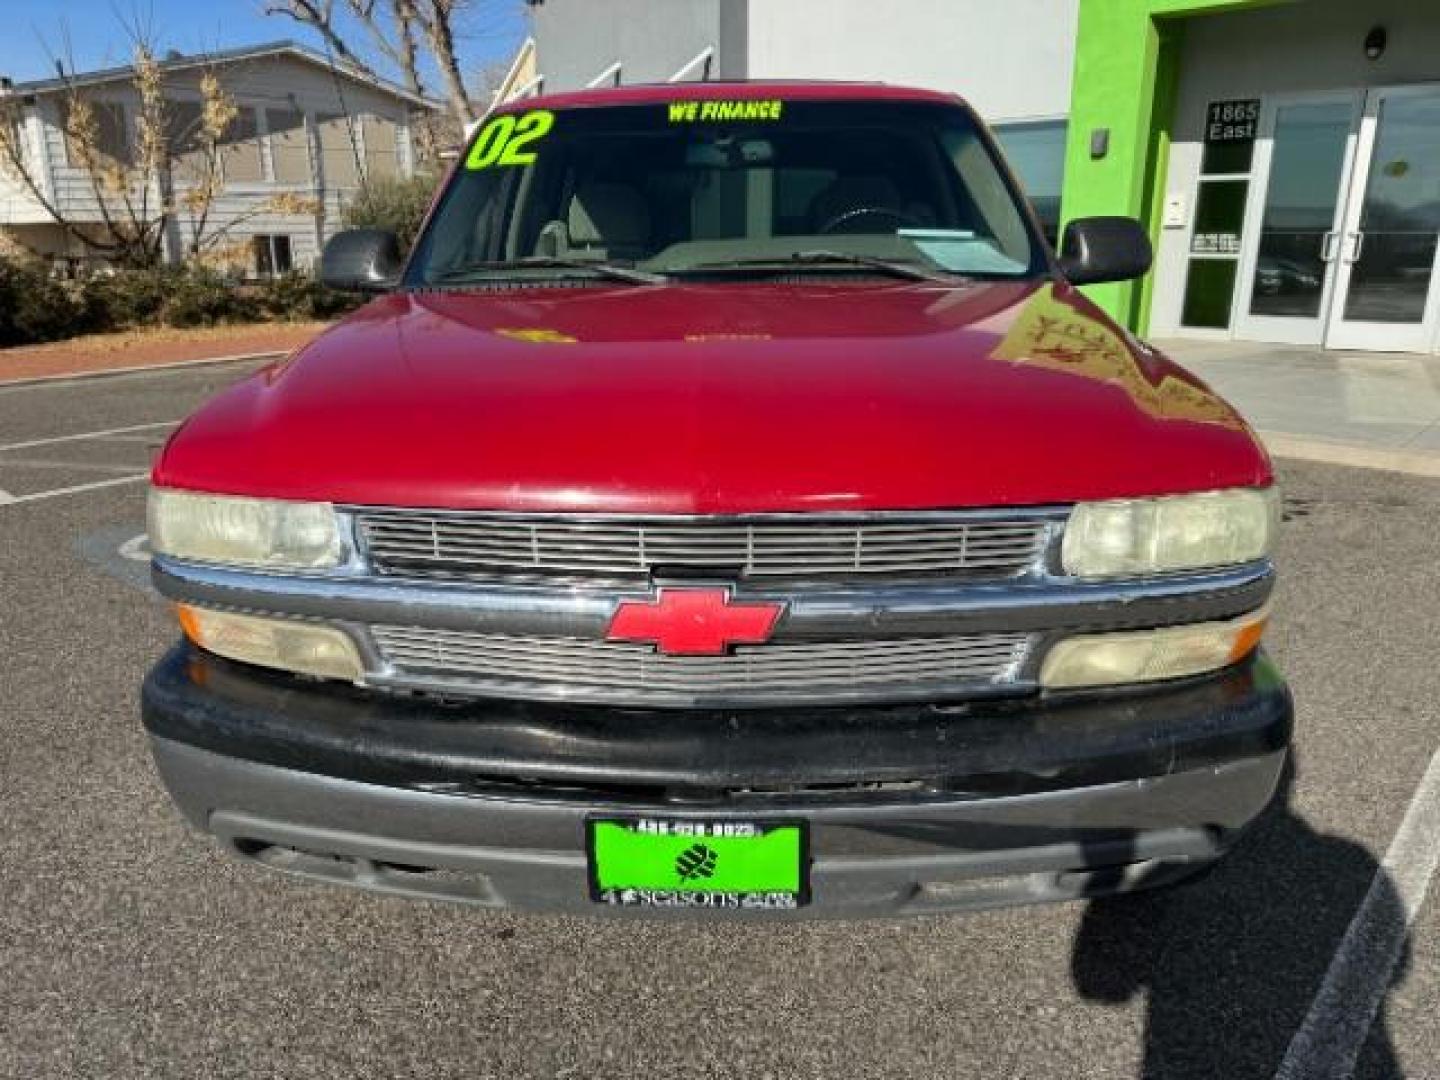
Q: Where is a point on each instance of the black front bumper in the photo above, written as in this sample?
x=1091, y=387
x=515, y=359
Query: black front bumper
x=911, y=808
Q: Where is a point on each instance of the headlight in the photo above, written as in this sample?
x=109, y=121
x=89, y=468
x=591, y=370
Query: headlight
x=288, y=644
x=1148, y=655
x=1132, y=537
x=243, y=532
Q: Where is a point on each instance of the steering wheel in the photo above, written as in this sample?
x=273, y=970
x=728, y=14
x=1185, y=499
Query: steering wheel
x=897, y=216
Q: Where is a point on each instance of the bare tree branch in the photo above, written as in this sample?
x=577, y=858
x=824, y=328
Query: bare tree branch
x=408, y=34
x=436, y=18
x=132, y=195
x=319, y=16
x=17, y=164
x=395, y=41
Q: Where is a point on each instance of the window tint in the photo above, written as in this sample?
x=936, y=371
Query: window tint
x=673, y=193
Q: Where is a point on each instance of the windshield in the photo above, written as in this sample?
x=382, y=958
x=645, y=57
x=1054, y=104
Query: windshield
x=717, y=186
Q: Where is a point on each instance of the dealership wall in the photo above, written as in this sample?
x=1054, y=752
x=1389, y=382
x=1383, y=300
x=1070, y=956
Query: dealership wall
x=1011, y=60
x=1314, y=45
x=579, y=39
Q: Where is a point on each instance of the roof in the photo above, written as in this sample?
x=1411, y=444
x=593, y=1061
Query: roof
x=226, y=56
x=749, y=90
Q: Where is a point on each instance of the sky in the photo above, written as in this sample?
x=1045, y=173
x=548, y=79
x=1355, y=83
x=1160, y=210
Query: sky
x=93, y=33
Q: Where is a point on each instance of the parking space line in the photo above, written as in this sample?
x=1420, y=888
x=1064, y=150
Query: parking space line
x=35, y=496
x=1329, y=1042
x=54, y=463
x=137, y=439
x=51, y=440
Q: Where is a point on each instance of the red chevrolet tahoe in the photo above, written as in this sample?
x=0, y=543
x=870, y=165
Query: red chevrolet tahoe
x=731, y=504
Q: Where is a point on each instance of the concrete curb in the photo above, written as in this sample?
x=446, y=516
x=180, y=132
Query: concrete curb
x=136, y=369
x=1415, y=463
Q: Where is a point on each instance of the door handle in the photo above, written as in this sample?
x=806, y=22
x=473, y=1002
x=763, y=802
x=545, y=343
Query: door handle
x=1357, y=245
x=1327, y=247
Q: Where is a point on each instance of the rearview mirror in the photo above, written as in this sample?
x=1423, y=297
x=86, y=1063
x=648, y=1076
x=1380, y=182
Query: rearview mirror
x=726, y=152
x=361, y=260
x=1098, y=249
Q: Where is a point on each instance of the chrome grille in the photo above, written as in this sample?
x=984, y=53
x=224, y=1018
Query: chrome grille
x=796, y=547
x=604, y=670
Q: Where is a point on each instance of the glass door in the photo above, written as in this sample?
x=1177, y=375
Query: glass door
x=1385, y=290
x=1302, y=167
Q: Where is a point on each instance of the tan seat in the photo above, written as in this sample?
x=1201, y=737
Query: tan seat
x=609, y=221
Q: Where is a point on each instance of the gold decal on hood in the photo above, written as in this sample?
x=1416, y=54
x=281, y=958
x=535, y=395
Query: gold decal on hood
x=1051, y=334
x=537, y=335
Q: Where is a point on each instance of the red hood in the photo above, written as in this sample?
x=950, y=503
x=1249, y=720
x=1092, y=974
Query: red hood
x=718, y=398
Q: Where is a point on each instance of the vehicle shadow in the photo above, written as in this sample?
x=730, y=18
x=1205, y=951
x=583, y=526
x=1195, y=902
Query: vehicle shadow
x=1231, y=962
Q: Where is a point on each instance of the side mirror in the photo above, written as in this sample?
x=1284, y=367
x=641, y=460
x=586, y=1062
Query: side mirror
x=1097, y=249
x=361, y=260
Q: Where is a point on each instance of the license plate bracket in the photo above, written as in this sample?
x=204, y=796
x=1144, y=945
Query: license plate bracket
x=700, y=863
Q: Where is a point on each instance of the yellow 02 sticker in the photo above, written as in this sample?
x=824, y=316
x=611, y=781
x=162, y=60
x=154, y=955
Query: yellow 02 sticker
x=503, y=140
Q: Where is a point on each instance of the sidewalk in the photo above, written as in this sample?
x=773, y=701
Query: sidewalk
x=150, y=348
x=1375, y=410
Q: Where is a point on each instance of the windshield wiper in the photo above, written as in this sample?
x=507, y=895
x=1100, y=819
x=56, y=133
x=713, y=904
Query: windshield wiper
x=552, y=262
x=895, y=267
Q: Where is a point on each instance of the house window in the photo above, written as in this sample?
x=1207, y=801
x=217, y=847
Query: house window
x=339, y=150
x=1036, y=151
x=187, y=157
x=240, y=150
x=381, y=137
x=110, y=138
x=272, y=256
x=289, y=146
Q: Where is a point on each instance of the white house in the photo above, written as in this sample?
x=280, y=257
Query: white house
x=307, y=128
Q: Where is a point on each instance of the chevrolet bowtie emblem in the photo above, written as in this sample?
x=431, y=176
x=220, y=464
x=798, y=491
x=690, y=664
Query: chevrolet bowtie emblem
x=694, y=622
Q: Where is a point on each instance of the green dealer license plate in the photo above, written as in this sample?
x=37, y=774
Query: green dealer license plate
x=687, y=863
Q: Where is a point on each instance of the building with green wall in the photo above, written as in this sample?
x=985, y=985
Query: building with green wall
x=1284, y=155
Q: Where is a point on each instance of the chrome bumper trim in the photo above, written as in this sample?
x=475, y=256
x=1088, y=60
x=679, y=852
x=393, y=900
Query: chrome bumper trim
x=1031, y=605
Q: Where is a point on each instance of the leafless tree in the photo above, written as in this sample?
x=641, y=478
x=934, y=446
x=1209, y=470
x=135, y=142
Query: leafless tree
x=129, y=189
x=134, y=189
x=405, y=33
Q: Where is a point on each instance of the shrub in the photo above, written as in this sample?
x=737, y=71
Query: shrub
x=33, y=306
x=134, y=296
x=395, y=205
x=200, y=297
x=298, y=297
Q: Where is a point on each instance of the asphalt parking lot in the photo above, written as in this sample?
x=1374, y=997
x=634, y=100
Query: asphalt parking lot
x=131, y=948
